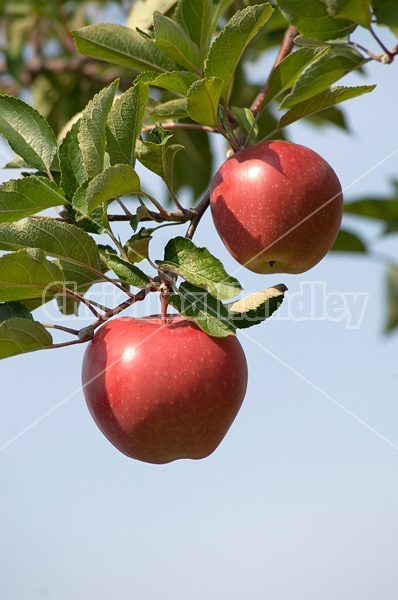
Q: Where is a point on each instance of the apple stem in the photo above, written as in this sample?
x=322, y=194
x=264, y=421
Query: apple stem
x=164, y=308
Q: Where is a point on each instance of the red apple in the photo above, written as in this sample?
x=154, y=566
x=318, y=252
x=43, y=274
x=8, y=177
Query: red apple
x=163, y=391
x=277, y=207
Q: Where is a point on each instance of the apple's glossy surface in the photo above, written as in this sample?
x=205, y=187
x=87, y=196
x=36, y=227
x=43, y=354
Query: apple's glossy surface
x=163, y=391
x=277, y=207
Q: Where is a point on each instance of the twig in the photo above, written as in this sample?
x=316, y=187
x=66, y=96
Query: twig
x=83, y=300
x=124, y=208
x=199, y=212
x=86, y=333
x=54, y=346
x=176, y=216
x=381, y=58
x=61, y=328
x=388, y=56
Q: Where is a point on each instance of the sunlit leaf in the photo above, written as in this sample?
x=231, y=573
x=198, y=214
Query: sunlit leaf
x=73, y=173
x=92, y=130
x=76, y=250
x=175, y=42
x=202, y=100
x=121, y=46
x=228, y=47
x=199, y=267
x=325, y=99
x=124, y=124
x=113, y=182
x=28, y=274
x=21, y=198
x=27, y=132
x=126, y=271
x=312, y=19
x=330, y=66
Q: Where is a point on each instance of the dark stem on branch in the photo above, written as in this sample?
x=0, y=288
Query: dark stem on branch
x=199, y=212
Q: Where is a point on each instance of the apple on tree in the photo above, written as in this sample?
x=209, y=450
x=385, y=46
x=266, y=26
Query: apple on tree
x=163, y=390
x=277, y=207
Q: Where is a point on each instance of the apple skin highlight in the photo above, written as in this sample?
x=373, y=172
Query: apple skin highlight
x=163, y=391
x=277, y=206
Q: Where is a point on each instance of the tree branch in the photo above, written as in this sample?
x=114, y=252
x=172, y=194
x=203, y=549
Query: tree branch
x=199, y=212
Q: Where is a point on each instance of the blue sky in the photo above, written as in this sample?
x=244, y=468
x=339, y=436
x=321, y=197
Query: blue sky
x=300, y=501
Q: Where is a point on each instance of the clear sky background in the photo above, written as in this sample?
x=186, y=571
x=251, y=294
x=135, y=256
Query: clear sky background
x=300, y=501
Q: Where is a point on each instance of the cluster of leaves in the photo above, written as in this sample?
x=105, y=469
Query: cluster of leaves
x=186, y=86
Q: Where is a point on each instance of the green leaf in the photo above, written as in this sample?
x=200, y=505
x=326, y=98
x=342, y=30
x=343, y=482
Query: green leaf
x=27, y=132
x=141, y=213
x=325, y=99
x=14, y=310
x=172, y=109
x=288, y=71
x=95, y=222
x=175, y=42
x=312, y=19
x=114, y=182
x=330, y=66
x=121, y=46
x=247, y=123
x=305, y=42
x=357, y=11
x=176, y=81
x=199, y=267
x=137, y=247
x=202, y=100
x=197, y=305
x=348, y=242
x=126, y=271
x=21, y=198
x=158, y=158
x=374, y=208
x=28, y=274
x=73, y=173
x=124, y=124
x=141, y=13
x=92, y=130
x=71, y=245
x=255, y=308
x=22, y=335
x=392, y=298
x=227, y=49
x=198, y=19
x=386, y=13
